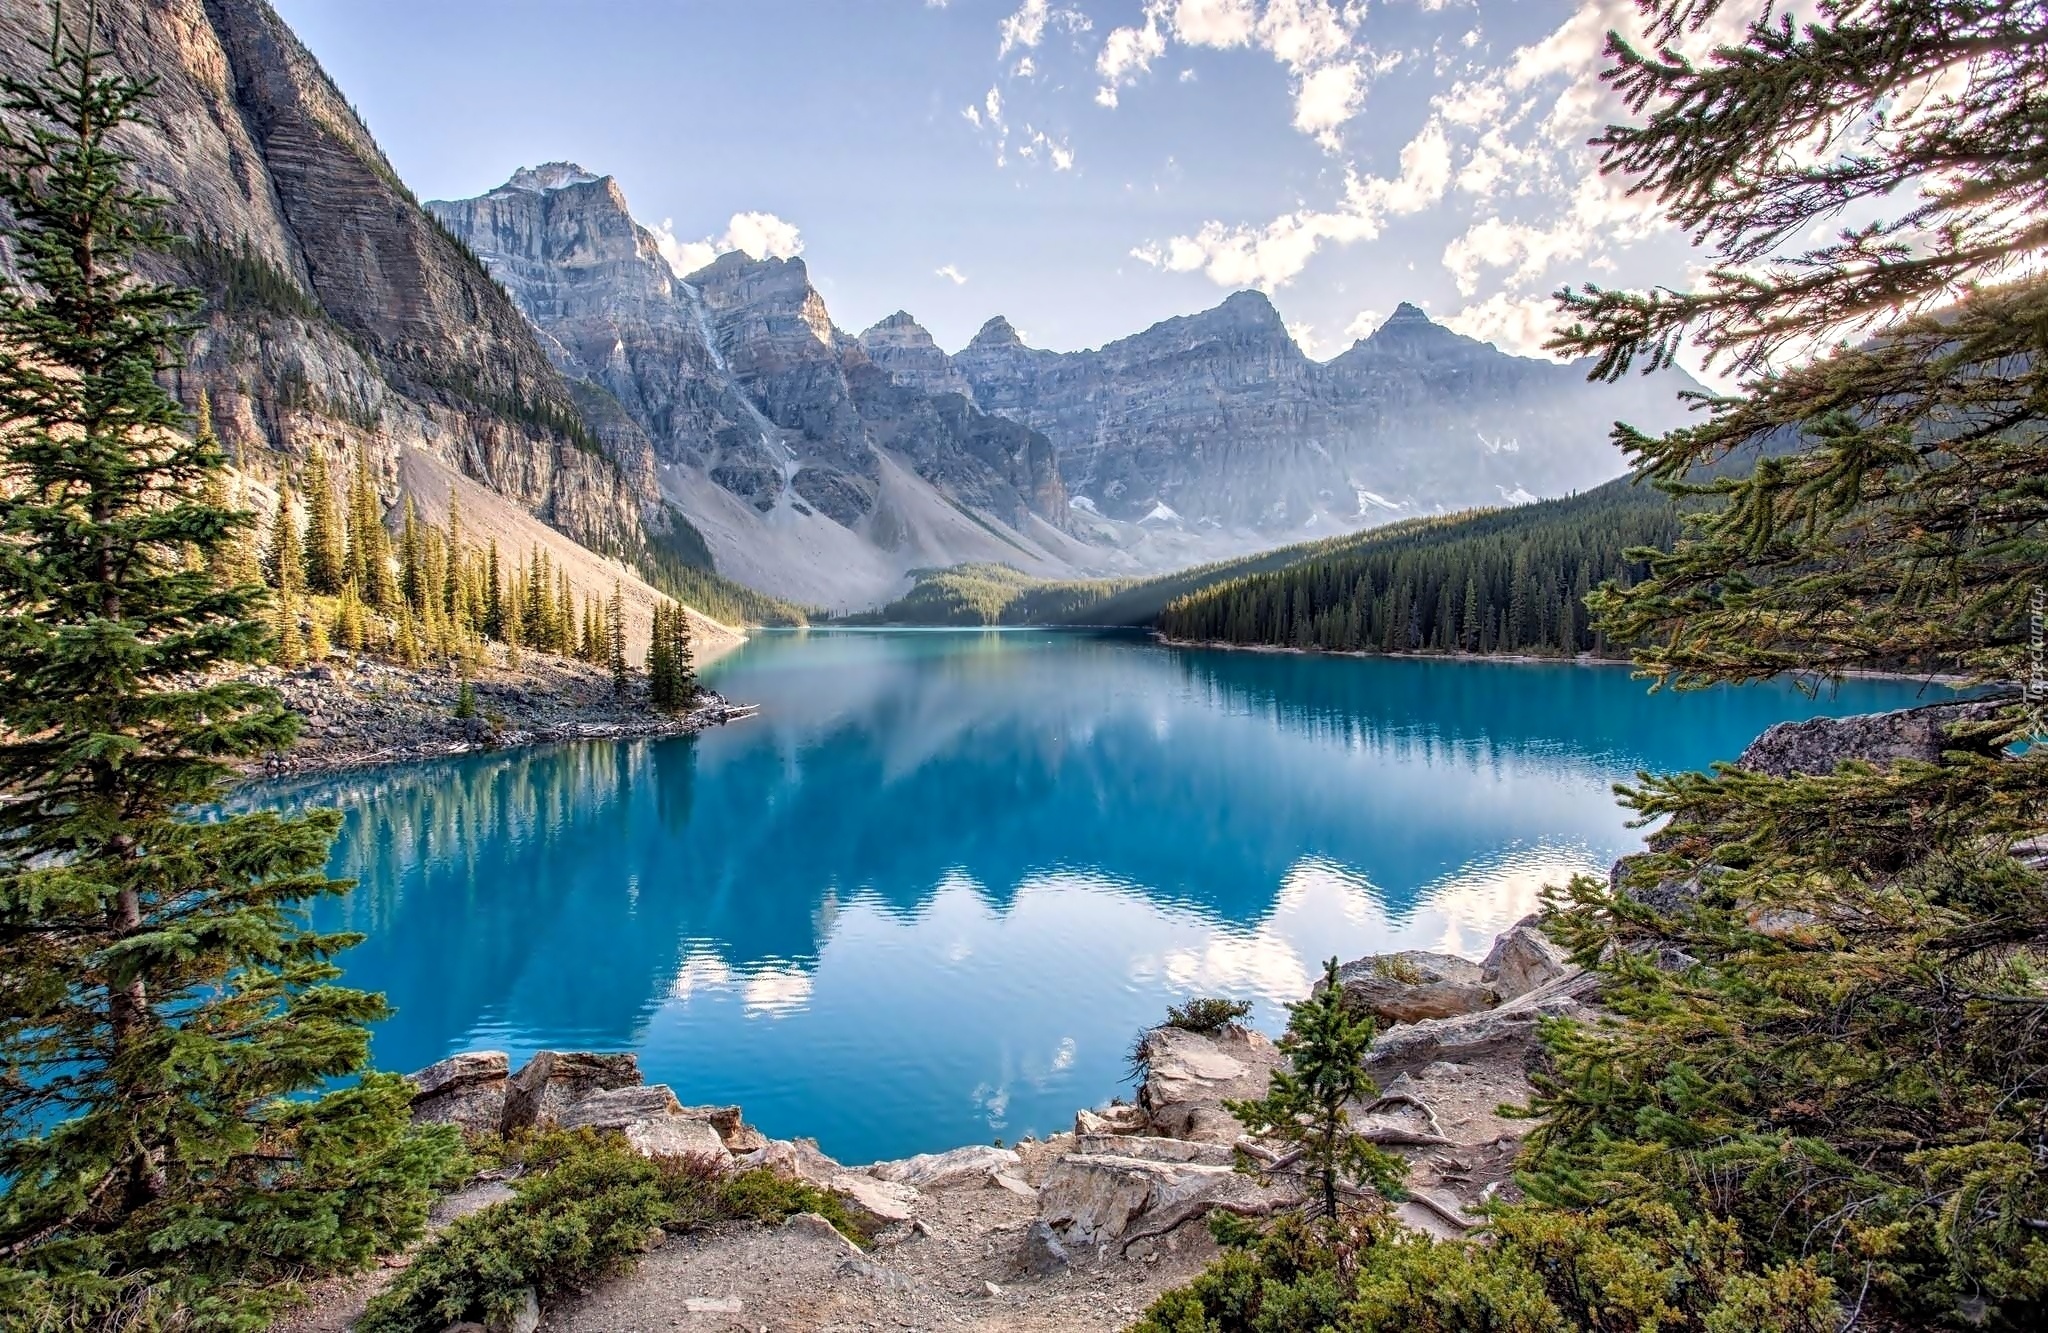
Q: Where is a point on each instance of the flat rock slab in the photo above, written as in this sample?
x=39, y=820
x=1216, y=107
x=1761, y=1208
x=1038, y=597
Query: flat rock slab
x=972, y=1165
x=1103, y=1202
x=1189, y=1075
x=1410, y=986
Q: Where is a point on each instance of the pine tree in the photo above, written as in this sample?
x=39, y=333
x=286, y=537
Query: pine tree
x=412, y=560
x=1848, y=1069
x=284, y=564
x=615, y=639
x=1303, y=1108
x=494, y=596
x=172, y=1134
x=326, y=539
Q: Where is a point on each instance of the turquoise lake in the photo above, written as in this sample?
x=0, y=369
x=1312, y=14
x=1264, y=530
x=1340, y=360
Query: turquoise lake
x=928, y=895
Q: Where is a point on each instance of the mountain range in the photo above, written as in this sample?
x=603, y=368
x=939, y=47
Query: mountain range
x=531, y=350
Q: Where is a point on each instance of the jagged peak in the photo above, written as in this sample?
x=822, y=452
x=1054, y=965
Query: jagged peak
x=901, y=325
x=550, y=176
x=998, y=332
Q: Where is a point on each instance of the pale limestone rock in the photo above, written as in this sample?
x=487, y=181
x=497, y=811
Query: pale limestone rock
x=1413, y=985
x=1111, y=1120
x=883, y=1201
x=1188, y=1075
x=1523, y=959
x=972, y=1165
x=554, y=1080
x=1104, y=1201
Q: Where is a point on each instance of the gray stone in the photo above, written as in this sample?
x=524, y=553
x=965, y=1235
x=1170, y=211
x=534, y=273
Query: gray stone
x=882, y=1202
x=971, y=1165
x=1822, y=744
x=1041, y=1254
x=1523, y=959
x=554, y=1080
x=651, y=1121
x=468, y=1090
x=813, y=1229
x=1111, y=1120
x=1104, y=1201
x=1488, y=1034
x=1413, y=985
x=1188, y=1076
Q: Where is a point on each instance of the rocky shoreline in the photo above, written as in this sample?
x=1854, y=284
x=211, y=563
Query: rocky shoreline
x=361, y=712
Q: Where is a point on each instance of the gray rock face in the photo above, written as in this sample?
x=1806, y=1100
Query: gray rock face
x=466, y=1090
x=1041, y=1254
x=1105, y=1202
x=902, y=348
x=1823, y=744
x=972, y=1165
x=738, y=371
x=1412, y=1047
x=1188, y=1076
x=1405, y=987
x=554, y=1081
x=395, y=338
x=1523, y=959
x=1221, y=420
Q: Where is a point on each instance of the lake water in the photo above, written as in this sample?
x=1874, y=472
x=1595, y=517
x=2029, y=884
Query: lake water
x=928, y=895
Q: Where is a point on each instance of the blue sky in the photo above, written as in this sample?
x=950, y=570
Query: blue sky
x=1085, y=167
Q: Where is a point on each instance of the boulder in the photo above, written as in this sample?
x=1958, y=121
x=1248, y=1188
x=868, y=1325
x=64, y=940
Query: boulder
x=1040, y=1254
x=467, y=1090
x=1111, y=1120
x=1523, y=959
x=1490, y=1034
x=650, y=1119
x=882, y=1202
x=963, y=1166
x=1154, y=1149
x=733, y=1131
x=1105, y=1202
x=814, y=1230
x=554, y=1080
x=793, y=1159
x=1413, y=985
x=1822, y=744
x=1188, y=1075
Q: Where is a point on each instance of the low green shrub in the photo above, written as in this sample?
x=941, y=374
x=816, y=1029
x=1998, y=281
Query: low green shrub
x=1541, y=1271
x=587, y=1207
x=1206, y=1013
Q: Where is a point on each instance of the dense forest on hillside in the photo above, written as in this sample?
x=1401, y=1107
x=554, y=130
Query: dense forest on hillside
x=1491, y=581
x=1508, y=581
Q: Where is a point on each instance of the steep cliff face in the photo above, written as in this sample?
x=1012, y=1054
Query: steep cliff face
x=1218, y=421
x=776, y=434
x=341, y=315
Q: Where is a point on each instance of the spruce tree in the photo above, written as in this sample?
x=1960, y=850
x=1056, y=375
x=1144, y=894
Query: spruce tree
x=1305, y=1104
x=284, y=562
x=173, y=1138
x=1849, y=1066
x=615, y=639
x=326, y=539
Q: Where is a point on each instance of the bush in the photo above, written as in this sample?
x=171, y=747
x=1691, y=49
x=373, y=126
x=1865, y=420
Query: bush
x=1206, y=1014
x=587, y=1207
x=1543, y=1271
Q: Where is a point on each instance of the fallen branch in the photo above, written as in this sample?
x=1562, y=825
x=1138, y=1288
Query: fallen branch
x=1407, y=1099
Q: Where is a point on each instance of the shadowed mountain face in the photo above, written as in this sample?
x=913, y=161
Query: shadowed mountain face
x=340, y=314
x=775, y=433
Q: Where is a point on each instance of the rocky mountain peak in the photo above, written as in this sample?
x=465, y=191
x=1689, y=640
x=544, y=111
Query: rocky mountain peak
x=1248, y=309
x=998, y=332
x=904, y=348
x=900, y=327
x=550, y=176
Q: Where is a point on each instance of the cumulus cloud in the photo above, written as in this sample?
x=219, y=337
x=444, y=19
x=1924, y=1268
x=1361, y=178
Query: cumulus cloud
x=1127, y=53
x=1272, y=255
x=1519, y=324
x=951, y=273
x=1363, y=324
x=1026, y=27
x=761, y=235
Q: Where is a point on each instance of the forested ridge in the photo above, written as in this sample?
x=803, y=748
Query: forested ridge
x=1507, y=581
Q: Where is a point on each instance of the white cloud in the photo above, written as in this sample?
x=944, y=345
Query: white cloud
x=951, y=273
x=1363, y=324
x=1025, y=68
x=761, y=235
x=1272, y=255
x=1218, y=23
x=1026, y=27
x=1519, y=324
x=1127, y=53
x=1327, y=98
